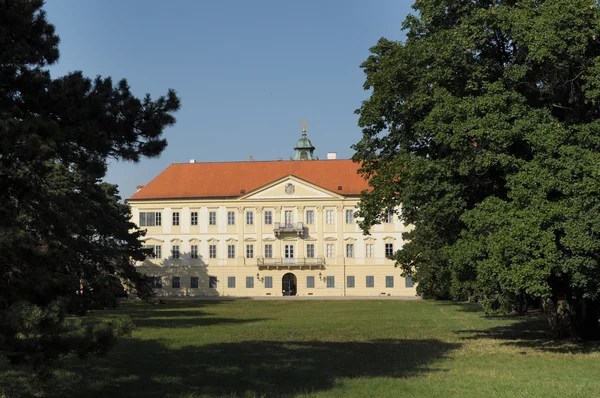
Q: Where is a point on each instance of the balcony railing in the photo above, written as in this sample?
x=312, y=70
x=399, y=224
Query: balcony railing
x=280, y=227
x=286, y=262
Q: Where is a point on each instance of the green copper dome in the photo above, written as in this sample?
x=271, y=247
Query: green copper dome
x=304, y=148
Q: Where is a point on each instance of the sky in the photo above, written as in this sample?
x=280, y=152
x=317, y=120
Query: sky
x=247, y=72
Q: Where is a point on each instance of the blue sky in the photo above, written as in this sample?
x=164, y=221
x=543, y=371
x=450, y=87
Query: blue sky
x=247, y=72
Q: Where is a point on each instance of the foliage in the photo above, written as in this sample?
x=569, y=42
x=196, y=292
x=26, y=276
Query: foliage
x=63, y=231
x=485, y=126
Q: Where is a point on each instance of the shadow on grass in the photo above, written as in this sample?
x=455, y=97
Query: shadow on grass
x=253, y=368
x=525, y=331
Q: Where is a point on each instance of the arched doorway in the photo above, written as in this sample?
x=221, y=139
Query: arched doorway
x=289, y=284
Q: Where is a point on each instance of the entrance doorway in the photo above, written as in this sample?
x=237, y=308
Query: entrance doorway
x=289, y=284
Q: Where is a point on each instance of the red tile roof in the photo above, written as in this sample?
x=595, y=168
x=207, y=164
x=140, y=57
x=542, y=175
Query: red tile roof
x=227, y=179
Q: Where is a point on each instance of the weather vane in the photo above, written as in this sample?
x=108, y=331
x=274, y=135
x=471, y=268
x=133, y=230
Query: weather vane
x=303, y=124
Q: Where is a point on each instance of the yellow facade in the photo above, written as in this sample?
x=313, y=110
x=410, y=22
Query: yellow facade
x=245, y=246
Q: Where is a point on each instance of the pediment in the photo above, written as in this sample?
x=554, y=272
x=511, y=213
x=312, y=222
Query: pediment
x=290, y=187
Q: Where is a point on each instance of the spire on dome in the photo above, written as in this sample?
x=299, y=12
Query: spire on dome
x=304, y=148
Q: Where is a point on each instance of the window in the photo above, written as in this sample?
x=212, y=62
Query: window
x=389, y=217
x=194, y=282
x=389, y=281
x=175, y=218
x=268, y=217
x=212, y=282
x=194, y=251
x=268, y=282
x=331, y=281
x=150, y=219
x=176, y=282
x=157, y=282
x=156, y=251
x=369, y=250
x=349, y=281
x=350, y=250
x=310, y=282
x=175, y=251
x=212, y=251
x=231, y=282
x=408, y=282
x=269, y=251
x=249, y=218
x=212, y=218
x=329, y=216
x=230, y=251
x=329, y=251
x=310, y=250
x=349, y=216
x=370, y=281
x=310, y=216
x=194, y=218
x=289, y=219
x=249, y=282
x=389, y=249
x=230, y=218
x=249, y=251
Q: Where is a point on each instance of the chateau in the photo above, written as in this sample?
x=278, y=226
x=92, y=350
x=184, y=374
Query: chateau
x=260, y=228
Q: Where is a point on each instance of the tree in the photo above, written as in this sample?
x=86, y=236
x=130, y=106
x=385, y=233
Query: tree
x=61, y=227
x=484, y=125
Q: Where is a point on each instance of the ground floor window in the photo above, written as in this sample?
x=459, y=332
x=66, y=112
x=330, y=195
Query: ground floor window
x=331, y=281
x=157, y=282
x=389, y=281
x=268, y=282
x=408, y=281
x=231, y=282
x=310, y=282
x=370, y=281
x=349, y=281
x=194, y=282
x=176, y=282
x=212, y=282
x=249, y=282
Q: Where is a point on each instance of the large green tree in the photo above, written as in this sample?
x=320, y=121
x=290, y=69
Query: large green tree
x=484, y=126
x=61, y=227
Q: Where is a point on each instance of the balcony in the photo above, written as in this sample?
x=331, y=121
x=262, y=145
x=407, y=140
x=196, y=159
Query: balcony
x=301, y=262
x=296, y=228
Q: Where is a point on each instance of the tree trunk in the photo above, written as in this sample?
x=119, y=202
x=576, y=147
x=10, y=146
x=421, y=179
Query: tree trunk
x=578, y=319
x=560, y=316
x=586, y=320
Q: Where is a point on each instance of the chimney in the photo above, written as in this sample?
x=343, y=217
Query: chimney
x=138, y=188
x=192, y=160
x=331, y=155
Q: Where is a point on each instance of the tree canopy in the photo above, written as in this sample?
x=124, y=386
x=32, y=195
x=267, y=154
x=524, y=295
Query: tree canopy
x=63, y=231
x=484, y=126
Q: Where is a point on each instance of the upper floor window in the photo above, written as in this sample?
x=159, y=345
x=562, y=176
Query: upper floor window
x=175, y=218
x=231, y=218
x=369, y=250
x=156, y=251
x=249, y=251
x=349, y=216
x=150, y=219
x=175, y=251
x=249, y=218
x=389, y=249
x=230, y=251
x=268, y=217
x=350, y=250
x=310, y=216
x=212, y=251
x=310, y=250
x=194, y=218
x=389, y=217
x=212, y=218
x=329, y=250
x=194, y=251
x=329, y=217
x=289, y=219
x=269, y=251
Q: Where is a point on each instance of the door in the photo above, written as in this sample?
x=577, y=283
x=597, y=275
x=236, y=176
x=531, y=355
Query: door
x=288, y=217
x=288, y=254
x=289, y=284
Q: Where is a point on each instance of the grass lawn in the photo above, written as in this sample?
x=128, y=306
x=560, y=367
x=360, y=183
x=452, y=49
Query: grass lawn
x=324, y=349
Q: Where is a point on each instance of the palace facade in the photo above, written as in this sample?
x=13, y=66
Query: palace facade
x=270, y=228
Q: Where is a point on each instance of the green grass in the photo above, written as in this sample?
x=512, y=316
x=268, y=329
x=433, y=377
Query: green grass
x=324, y=349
